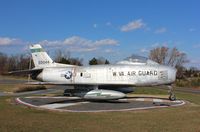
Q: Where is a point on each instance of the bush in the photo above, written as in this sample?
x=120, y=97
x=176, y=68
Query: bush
x=182, y=83
x=195, y=82
x=25, y=88
x=190, y=82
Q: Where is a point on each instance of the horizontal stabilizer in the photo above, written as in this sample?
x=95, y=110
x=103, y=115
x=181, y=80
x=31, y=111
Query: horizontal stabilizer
x=60, y=83
x=25, y=72
x=49, y=83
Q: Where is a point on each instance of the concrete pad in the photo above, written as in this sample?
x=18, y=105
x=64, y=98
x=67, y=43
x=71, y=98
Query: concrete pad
x=75, y=104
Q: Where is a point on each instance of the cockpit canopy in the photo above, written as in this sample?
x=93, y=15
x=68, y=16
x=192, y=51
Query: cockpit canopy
x=137, y=60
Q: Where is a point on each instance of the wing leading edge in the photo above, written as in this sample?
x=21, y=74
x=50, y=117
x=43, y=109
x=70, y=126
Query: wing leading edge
x=25, y=72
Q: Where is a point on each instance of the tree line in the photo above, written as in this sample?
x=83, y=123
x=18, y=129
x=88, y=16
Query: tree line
x=24, y=61
x=13, y=62
x=162, y=55
x=65, y=58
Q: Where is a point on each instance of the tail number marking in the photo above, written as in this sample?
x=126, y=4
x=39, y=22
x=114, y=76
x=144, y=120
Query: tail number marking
x=43, y=62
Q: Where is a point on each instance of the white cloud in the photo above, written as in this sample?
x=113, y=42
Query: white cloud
x=79, y=44
x=161, y=30
x=133, y=25
x=196, y=46
x=192, y=29
x=195, y=61
x=105, y=42
x=50, y=43
x=95, y=25
x=82, y=49
x=74, y=43
x=144, y=50
x=76, y=40
x=108, y=24
x=157, y=44
x=108, y=51
x=9, y=41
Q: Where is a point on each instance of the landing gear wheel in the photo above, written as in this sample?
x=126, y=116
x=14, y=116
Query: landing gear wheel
x=172, y=96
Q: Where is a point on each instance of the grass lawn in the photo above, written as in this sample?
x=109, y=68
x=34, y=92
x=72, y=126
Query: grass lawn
x=185, y=118
x=7, y=87
x=19, y=118
x=4, y=87
x=193, y=98
x=14, y=77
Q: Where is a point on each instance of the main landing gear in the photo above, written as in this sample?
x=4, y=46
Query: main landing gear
x=172, y=95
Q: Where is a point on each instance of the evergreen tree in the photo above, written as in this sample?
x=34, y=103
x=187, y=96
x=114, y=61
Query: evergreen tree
x=93, y=61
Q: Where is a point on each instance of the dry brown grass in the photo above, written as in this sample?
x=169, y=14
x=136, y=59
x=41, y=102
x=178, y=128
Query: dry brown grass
x=20, y=118
x=24, y=88
x=190, y=82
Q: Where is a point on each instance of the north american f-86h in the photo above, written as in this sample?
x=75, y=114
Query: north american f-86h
x=100, y=82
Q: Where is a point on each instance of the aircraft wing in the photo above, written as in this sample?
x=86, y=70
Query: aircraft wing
x=46, y=83
x=60, y=83
x=25, y=72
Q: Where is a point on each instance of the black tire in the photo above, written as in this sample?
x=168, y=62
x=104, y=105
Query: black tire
x=172, y=97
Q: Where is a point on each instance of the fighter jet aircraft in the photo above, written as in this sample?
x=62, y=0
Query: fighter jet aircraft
x=100, y=82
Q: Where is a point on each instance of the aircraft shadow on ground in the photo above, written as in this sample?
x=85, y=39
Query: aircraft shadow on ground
x=92, y=101
x=147, y=97
x=106, y=101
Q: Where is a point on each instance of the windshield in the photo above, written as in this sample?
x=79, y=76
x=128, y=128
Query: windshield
x=135, y=59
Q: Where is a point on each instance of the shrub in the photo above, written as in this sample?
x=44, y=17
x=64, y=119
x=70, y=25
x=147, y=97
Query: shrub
x=24, y=88
x=191, y=82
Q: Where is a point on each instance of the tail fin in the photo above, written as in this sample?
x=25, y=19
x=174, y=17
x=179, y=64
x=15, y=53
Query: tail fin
x=40, y=57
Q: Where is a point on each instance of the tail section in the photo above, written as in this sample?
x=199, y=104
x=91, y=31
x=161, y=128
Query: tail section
x=40, y=58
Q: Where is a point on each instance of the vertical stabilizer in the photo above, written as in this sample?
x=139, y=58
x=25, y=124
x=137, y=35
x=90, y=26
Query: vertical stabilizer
x=40, y=57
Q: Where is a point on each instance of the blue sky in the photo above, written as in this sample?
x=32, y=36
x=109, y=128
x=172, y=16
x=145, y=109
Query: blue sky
x=113, y=29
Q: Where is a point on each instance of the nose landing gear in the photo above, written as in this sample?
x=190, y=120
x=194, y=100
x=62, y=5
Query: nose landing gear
x=172, y=95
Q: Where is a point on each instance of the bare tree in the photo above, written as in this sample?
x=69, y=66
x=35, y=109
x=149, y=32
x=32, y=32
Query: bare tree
x=23, y=62
x=172, y=57
x=76, y=61
x=60, y=54
x=13, y=62
x=159, y=54
x=65, y=58
x=3, y=62
x=166, y=56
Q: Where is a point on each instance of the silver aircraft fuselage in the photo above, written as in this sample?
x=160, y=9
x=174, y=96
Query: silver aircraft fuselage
x=98, y=82
x=119, y=74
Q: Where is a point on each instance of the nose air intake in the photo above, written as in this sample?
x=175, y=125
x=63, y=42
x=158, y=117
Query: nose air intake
x=167, y=74
x=172, y=74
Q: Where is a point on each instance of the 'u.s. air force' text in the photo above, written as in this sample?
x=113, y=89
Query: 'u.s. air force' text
x=134, y=73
